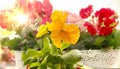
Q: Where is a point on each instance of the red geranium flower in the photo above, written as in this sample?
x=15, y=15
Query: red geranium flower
x=91, y=29
x=104, y=31
x=86, y=12
x=105, y=28
x=105, y=24
x=104, y=13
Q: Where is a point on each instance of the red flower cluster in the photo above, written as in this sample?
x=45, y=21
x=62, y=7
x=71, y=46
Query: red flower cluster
x=104, y=13
x=86, y=12
x=106, y=22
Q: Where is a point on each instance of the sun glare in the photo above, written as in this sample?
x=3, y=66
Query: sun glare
x=21, y=18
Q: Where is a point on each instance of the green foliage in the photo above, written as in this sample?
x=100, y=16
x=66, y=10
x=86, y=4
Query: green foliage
x=115, y=40
x=87, y=41
x=12, y=44
x=50, y=57
x=21, y=43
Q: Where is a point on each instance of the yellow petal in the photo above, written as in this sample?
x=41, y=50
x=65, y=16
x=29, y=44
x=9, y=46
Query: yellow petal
x=42, y=31
x=58, y=21
x=73, y=32
x=56, y=39
x=58, y=44
x=55, y=25
x=65, y=36
x=59, y=14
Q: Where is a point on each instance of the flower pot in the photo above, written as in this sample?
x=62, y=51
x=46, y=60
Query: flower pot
x=18, y=60
x=101, y=59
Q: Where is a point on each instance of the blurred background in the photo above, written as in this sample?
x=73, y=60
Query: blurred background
x=73, y=5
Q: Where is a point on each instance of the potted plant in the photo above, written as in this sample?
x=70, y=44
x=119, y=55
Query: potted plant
x=55, y=37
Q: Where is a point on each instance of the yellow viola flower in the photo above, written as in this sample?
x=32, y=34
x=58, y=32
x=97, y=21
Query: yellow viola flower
x=58, y=20
x=62, y=32
x=42, y=31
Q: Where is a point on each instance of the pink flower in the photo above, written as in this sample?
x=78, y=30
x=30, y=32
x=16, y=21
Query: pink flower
x=3, y=25
x=3, y=22
x=38, y=6
x=47, y=7
x=47, y=10
x=74, y=18
x=45, y=19
x=37, y=9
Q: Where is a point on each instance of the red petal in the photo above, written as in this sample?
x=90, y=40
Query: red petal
x=47, y=6
x=104, y=31
x=86, y=12
x=104, y=13
x=91, y=29
x=38, y=6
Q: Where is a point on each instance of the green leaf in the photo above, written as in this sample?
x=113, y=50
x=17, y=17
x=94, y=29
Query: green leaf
x=116, y=39
x=40, y=43
x=99, y=40
x=30, y=61
x=57, y=66
x=43, y=64
x=47, y=47
x=71, y=57
x=64, y=46
x=54, y=50
x=12, y=44
x=44, y=60
x=30, y=54
x=69, y=66
x=35, y=64
x=38, y=68
x=54, y=59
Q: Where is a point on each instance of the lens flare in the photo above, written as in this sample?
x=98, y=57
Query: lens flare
x=21, y=18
